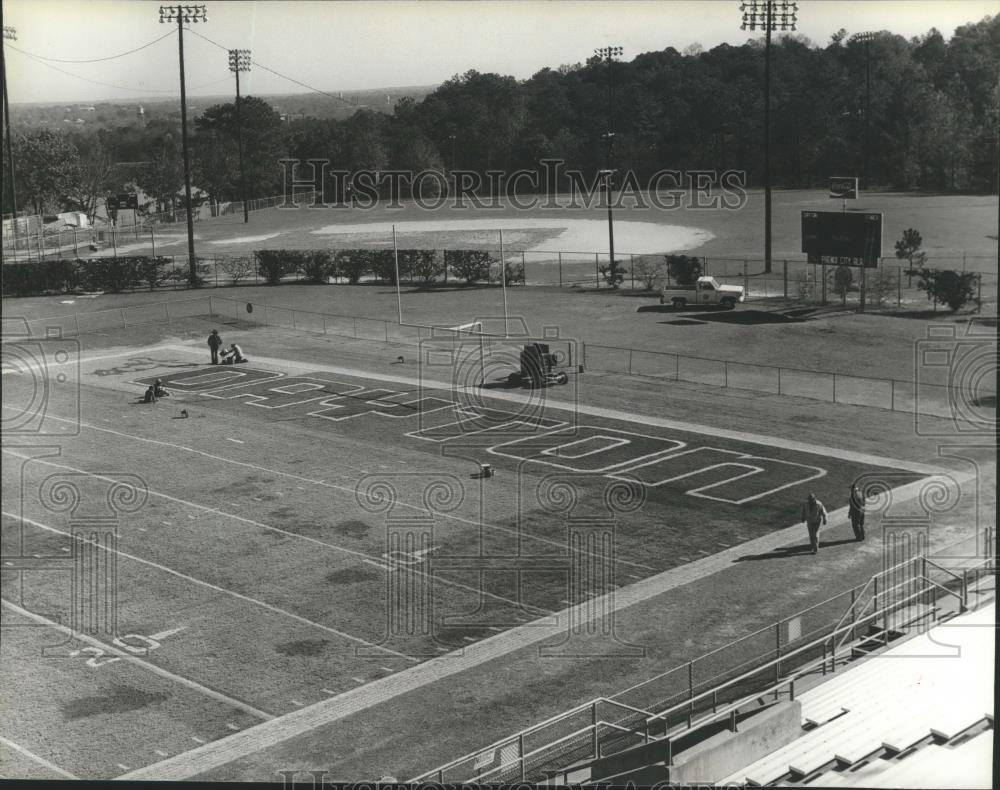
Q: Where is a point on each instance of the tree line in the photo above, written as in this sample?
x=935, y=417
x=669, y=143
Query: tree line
x=933, y=115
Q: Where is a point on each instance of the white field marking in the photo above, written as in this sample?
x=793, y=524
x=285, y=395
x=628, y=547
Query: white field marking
x=191, y=684
x=40, y=760
x=293, y=476
x=677, y=445
x=356, y=680
x=560, y=451
x=611, y=414
x=232, y=726
x=328, y=691
x=196, y=739
x=256, y=739
x=625, y=474
x=164, y=634
x=240, y=596
x=123, y=766
x=296, y=703
x=238, y=441
x=161, y=753
x=358, y=554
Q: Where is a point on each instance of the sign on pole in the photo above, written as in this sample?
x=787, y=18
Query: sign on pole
x=844, y=187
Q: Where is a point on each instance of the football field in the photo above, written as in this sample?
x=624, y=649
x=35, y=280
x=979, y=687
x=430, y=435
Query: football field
x=280, y=535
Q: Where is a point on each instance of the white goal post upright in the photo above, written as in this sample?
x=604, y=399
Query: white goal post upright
x=503, y=285
x=395, y=258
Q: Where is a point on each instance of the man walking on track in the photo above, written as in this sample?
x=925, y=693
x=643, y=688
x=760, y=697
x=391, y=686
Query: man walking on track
x=214, y=343
x=856, y=511
x=813, y=514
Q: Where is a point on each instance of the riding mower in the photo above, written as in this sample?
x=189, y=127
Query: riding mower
x=538, y=368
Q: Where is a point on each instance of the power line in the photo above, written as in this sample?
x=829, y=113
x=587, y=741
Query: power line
x=96, y=60
x=87, y=79
x=277, y=73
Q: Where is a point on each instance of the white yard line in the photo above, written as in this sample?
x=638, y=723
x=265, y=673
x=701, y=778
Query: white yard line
x=112, y=649
x=223, y=590
x=225, y=750
x=360, y=555
x=35, y=758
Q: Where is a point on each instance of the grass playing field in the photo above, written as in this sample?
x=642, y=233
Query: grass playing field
x=265, y=541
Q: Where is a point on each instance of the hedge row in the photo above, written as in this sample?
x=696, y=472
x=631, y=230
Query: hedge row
x=424, y=266
x=131, y=273
x=111, y=275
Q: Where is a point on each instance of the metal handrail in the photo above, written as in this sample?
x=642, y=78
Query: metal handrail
x=805, y=669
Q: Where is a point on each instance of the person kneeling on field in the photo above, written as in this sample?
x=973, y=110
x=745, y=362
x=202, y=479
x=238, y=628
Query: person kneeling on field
x=233, y=354
x=149, y=396
x=158, y=390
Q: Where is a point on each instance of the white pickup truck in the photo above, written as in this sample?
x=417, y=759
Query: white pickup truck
x=706, y=291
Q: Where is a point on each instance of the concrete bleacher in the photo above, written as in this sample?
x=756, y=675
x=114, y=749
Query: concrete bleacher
x=899, y=710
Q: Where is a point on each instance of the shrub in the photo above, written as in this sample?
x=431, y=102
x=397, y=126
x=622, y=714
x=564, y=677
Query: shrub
x=423, y=265
x=952, y=288
x=112, y=275
x=684, y=269
x=153, y=271
x=383, y=265
x=469, y=265
x=273, y=265
x=316, y=266
x=352, y=264
x=880, y=283
x=515, y=274
x=237, y=267
x=613, y=276
x=650, y=272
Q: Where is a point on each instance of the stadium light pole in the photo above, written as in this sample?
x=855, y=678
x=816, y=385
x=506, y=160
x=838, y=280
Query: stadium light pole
x=182, y=14
x=239, y=60
x=608, y=54
x=9, y=33
x=769, y=15
x=867, y=38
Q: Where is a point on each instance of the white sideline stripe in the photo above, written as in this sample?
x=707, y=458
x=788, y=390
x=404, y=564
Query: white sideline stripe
x=40, y=760
x=215, y=587
x=293, y=476
x=191, y=684
x=262, y=736
x=357, y=554
x=612, y=414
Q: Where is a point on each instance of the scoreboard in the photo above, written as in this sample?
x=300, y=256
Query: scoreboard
x=853, y=238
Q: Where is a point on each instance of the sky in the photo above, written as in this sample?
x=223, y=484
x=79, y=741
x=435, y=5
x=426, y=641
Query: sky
x=348, y=45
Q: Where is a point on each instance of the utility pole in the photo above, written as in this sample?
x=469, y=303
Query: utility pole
x=182, y=14
x=769, y=15
x=608, y=54
x=239, y=60
x=11, y=34
x=867, y=38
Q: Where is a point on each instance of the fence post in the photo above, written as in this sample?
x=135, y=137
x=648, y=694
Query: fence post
x=385, y=325
x=355, y=328
x=593, y=724
x=779, y=381
x=784, y=269
x=76, y=317
x=560, y=270
x=899, y=287
x=215, y=265
x=725, y=368
x=822, y=298
x=124, y=322
x=630, y=362
x=892, y=395
x=979, y=293
x=690, y=691
x=520, y=751
x=597, y=268
x=834, y=387
x=631, y=264
x=677, y=367
x=777, y=652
